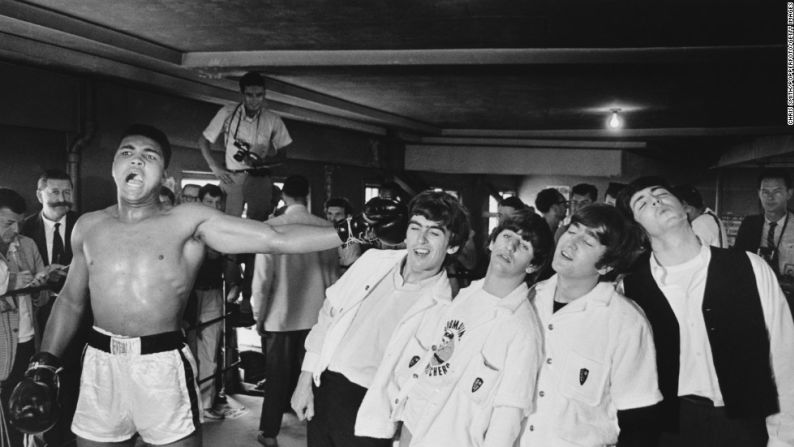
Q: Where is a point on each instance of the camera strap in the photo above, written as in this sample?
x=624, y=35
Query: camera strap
x=240, y=110
x=228, y=125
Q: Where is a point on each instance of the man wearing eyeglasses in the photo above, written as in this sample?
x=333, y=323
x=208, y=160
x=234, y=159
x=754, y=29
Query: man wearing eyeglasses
x=189, y=194
x=771, y=234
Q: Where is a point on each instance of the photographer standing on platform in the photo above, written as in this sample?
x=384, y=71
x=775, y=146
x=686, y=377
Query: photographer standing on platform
x=253, y=137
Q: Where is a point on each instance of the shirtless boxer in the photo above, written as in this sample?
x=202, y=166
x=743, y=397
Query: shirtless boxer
x=137, y=263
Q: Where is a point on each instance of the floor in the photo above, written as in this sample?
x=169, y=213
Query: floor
x=241, y=427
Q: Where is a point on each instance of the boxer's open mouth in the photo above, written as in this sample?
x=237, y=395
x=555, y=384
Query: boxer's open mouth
x=134, y=178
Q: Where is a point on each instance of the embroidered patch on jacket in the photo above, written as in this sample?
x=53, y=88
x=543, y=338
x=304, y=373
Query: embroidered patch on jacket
x=476, y=385
x=439, y=364
x=583, y=373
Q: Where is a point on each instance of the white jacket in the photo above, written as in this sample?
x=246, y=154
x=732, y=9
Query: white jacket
x=344, y=297
x=495, y=365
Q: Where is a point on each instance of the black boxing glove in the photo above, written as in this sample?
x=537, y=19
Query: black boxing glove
x=388, y=219
x=352, y=230
x=33, y=406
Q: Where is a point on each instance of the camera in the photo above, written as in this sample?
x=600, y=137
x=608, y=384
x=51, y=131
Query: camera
x=243, y=149
x=244, y=154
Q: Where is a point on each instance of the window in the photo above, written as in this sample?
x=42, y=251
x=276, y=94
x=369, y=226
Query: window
x=202, y=178
x=493, y=209
x=370, y=192
x=197, y=181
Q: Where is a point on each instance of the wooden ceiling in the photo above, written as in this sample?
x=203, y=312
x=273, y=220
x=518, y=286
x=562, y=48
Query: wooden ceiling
x=685, y=74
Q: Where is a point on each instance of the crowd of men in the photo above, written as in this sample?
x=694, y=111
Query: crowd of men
x=629, y=322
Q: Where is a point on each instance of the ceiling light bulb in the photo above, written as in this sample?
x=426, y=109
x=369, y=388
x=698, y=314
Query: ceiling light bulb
x=614, y=120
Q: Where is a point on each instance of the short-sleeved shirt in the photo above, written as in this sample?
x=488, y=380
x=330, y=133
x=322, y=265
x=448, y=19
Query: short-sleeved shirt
x=600, y=358
x=709, y=228
x=483, y=353
x=265, y=132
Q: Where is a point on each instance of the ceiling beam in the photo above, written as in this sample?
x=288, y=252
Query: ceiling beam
x=303, y=97
x=29, y=51
x=513, y=161
x=36, y=24
x=475, y=56
x=623, y=133
x=525, y=142
x=281, y=90
x=45, y=18
x=757, y=150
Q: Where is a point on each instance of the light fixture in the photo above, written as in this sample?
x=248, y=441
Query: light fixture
x=615, y=121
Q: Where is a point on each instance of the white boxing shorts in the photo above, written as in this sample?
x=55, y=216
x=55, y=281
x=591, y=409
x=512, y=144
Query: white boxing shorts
x=144, y=384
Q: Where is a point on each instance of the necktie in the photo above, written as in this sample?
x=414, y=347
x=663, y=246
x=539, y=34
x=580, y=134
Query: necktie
x=770, y=235
x=57, y=246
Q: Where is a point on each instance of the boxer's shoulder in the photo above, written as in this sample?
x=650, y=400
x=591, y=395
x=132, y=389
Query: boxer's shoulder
x=88, y=220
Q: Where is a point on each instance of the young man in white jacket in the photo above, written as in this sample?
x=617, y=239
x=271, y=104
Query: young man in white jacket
x=384, y=291
x=598, y=383
x=466, y=375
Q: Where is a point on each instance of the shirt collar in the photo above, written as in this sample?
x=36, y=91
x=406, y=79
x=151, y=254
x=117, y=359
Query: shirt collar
x=779, y=222
x=51, y=224
x=400, y=283
x=512, y=301
x=600, y=295
x=13, y=246
x=441, y=289
x=245, y=116
x=515, y=299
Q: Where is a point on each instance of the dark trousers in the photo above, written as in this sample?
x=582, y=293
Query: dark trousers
x=284, y=353
x=703, y=425
x=336, y=404
x=24, y=352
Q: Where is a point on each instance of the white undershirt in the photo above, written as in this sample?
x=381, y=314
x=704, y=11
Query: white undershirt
x=684, y=286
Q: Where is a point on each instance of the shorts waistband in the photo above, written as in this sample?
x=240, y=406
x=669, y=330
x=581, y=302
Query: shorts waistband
x=148, y=344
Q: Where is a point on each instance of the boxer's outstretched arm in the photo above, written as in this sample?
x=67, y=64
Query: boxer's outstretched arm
x=229, y=234
x=69, y=308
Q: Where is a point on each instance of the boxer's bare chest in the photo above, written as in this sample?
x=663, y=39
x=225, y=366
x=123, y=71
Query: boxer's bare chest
x=140, y=273
x=155, y=253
